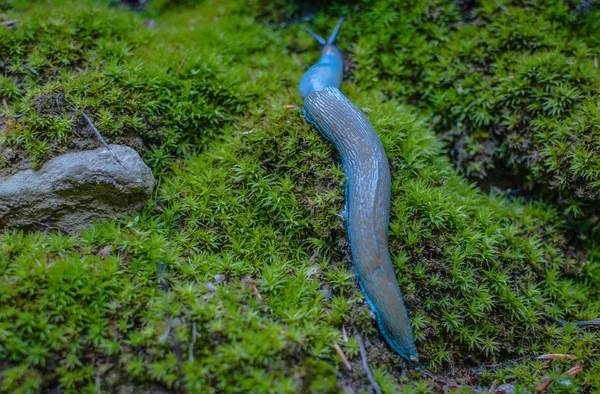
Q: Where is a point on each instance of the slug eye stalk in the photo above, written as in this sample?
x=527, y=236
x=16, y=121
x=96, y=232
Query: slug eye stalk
x=332, y=38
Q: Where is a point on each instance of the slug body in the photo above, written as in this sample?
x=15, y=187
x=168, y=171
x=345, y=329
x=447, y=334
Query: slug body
x=368, y=191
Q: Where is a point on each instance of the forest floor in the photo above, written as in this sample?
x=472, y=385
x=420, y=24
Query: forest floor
x=237, y=275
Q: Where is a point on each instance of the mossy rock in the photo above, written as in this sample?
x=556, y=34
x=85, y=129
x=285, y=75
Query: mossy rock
x=237, y=276
x=107, y=63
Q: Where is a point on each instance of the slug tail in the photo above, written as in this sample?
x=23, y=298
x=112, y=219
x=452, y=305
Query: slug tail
x=368, y=181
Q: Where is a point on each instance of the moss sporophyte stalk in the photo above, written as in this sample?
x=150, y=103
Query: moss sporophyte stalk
x=237, y=276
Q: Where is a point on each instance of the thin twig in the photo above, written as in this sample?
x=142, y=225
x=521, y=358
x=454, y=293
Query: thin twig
x=554, y=356
x=191, y=348
x=342, y=355
x=542, y=387
x=9, y=23
x=252, y=284
x=167, y=332
x=99, y=136
x=365, y=363
x=575, y=370
x=588, y=323
x=98, y=383
x=583, y=323
x=180, y=65
x=157, y=187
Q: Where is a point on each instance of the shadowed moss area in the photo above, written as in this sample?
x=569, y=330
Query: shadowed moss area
x=512, y=86
x=237, y=276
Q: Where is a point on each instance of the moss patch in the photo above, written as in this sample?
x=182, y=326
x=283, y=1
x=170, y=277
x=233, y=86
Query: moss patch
x=237, y=276
x=511, y=86
x=129, y=80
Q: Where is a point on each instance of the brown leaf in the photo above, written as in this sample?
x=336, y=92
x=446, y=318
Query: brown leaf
x=542, y=387
x=575, y=370
x=342, y=355
x=554, y=356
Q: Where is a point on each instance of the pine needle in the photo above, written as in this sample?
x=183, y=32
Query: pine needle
x=99, y=136
x=365, y=362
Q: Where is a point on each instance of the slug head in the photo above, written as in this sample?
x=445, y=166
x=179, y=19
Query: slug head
x=328, y=46
x=330, y=68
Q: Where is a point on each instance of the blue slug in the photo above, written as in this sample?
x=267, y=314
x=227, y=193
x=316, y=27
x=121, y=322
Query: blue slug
x=368, y=190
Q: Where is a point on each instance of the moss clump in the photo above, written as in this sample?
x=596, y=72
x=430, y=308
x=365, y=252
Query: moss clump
x=91, y=58
x=505, y=88
x=504, y=82
x=237, y=276
x=160, y=6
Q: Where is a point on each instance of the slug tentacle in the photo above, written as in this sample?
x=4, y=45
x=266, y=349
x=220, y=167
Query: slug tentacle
x=334, y=34
x=332, y=38
x=317, y=37
x=368, y=192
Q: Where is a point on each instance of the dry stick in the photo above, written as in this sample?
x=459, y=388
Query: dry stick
x=191, y=348
x=99, y=136
x=167, y=332
x=554, y=356
x=157, y=187
x=588, y=323
x=180, y=65
x=493, y=387
x=342, y=355
x=542, y=387
x=365, y=362
x=584, y=323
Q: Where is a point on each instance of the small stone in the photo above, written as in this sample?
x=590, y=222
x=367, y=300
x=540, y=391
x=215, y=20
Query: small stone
x=219, y=278
x=8, y=154
x=105, y=251
x=150, y=23
x=72, y=191
x=327, y=293
x=505, y=389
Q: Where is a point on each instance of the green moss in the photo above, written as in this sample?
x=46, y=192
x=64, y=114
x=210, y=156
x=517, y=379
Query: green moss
x=504, y=88
x=237, y=276
x=503, y=81
x=102, y=61
x=160, y=6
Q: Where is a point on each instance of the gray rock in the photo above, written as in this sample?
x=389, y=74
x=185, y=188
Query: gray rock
x=219, y=278
x=506, y=389
x=72, y=190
